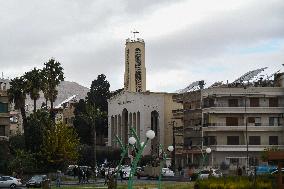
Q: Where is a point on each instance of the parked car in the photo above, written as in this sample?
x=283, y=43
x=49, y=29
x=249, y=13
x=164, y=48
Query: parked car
x=275, y=172
x=9, y=182
x=204, y=174
x=265, y=169
x=36, y=181
x=166, y=172
x=126, y=172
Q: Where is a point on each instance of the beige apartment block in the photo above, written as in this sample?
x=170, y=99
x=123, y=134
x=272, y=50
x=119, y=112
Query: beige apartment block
x=16, y=123
x=4, y=114
x=229, y=118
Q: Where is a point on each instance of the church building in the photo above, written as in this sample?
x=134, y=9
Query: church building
x=138, y=108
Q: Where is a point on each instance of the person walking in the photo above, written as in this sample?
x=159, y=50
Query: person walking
x=121, y=173
x=88, y=175
x=80, y=175
x=58, y=178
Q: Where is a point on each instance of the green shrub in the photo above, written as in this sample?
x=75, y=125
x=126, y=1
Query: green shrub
x=234, y=183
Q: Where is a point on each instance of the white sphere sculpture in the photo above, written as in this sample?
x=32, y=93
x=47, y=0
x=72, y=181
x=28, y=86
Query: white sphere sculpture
x=171, y=148
x=150, y=134
x=132, y=140
x=208, y=150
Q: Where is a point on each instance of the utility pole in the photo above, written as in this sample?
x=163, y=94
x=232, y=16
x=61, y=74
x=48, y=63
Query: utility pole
x=246, y=123
x=174, y=145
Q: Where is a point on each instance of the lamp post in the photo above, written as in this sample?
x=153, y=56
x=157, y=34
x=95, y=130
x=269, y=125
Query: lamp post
x=150, y=134
x=174, y=146
x=207, y=150
x=164, y=157
x=124, y=149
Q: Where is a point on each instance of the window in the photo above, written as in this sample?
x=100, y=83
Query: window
x=254, y=102
x=3, y=107
x=2, y=130
x=233, y=102
x=234, y=161
x=273, y=140
x=273, y=102
x=232, y=121
x=211, y=102
x=254, y=140
x=254, y=121
x=273, y=121
x=210, y=140
x=257, y=121
x=233, y=140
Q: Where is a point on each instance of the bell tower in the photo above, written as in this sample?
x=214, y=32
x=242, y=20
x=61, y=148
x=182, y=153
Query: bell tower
x=135, y=71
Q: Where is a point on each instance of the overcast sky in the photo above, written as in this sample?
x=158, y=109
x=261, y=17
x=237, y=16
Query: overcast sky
x=186, y=40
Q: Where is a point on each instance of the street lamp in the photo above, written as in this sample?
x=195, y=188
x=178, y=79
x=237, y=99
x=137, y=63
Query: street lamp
x=150, y=134
x=170, y=148
x=164, y=157
x=132, y=140
x=124, y=150
x=208, y=150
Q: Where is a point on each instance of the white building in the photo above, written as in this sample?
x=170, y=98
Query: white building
x=135, y=107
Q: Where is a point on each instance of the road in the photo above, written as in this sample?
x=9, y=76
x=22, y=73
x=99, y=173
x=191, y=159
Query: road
x=136, y=181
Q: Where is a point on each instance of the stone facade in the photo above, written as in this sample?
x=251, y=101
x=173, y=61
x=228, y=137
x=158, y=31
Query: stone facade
x=4, y=114
x=142, y=111
x=135, y=71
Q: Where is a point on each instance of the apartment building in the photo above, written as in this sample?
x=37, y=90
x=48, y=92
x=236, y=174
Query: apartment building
x=4, y=113
x=236, y=121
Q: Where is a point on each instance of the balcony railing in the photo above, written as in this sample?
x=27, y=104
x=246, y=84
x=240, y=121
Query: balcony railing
x=242, y=110
x=243, y=124
x=243, y=128
x=243, y=148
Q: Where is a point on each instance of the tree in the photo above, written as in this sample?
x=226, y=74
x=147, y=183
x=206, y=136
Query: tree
x=82, y=127
x=52, y=76
x=37, y=122
x=265, y=152
x=17, y=142
x=60, y=146
x=98, y=96
x=4, y=156
x=99, y=93
x=23, y=162
x=34, y=84
x=17, y=95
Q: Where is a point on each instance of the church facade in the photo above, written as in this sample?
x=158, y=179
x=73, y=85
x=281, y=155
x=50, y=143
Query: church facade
x=138, y=108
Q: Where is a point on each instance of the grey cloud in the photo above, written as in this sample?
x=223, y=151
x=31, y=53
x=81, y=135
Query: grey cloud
x=33, y=31
x=235, y=29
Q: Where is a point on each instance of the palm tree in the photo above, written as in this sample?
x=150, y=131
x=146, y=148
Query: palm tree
x=52, y=76
x=90, y=117
x=17, y=95
x=34, y=84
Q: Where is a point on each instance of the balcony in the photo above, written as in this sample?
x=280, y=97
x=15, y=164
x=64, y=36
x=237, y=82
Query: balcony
x=243, y=148
x=178, y=113
x=4, y=138
x=248, y=110
x=223, y=127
